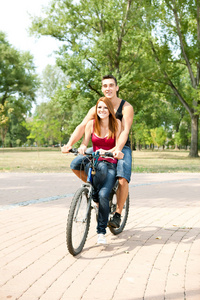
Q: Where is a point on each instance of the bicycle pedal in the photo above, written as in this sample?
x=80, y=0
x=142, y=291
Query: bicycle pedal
x=86, y=185
x=95, y=206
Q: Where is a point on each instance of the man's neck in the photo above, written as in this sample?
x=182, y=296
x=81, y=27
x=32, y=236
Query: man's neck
x=115, y=101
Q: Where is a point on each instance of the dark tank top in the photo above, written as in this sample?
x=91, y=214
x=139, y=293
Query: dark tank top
x=119, y=116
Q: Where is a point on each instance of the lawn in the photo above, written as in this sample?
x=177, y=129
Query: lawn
x=52, y=160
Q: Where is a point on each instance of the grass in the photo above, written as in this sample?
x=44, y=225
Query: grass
x=51, y=160
x=164, y=161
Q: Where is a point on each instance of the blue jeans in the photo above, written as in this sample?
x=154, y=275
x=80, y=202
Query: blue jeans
x=123, y=166
x=103, y=181
x=104, y=186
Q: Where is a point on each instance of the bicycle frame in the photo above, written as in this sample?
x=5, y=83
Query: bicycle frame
x=79, y=216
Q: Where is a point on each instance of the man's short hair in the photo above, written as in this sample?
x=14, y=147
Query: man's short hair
x=109, y=77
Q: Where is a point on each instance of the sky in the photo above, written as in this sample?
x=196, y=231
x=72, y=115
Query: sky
x=15, y=20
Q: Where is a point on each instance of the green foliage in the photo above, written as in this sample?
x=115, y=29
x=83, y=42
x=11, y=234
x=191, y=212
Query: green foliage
x=18, y=86
x=158, y=136
x=18, y=78
x=5, y=113
x=152, y=47
x=97, y=40
x=36, y=128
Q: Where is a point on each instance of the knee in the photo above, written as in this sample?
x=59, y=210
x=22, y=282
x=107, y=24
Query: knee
x=102, y=195
x=104, y=198
x=102, y=171
x=122, y=181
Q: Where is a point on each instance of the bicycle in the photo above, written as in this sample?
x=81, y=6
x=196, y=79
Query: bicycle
x=78, y=221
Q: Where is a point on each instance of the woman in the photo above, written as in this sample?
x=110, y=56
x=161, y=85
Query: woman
x=104, y=131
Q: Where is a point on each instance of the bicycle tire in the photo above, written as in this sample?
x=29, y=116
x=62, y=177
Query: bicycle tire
x=78, y=221
x=124, y=215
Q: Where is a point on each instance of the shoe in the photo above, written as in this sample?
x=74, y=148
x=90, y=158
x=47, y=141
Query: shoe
x=115, y=221
x=101, y=239
x=95, y=195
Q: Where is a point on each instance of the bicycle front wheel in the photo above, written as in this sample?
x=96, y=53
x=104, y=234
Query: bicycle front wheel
x=78, y=221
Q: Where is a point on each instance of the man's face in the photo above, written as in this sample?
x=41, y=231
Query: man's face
x=109, y=88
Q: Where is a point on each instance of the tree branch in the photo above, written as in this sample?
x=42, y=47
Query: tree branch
x=170, y=83
x=93, y=64
x=193, y=80
x=3, y=99
x=120, y=38
x=95, y=90
x=198, y=39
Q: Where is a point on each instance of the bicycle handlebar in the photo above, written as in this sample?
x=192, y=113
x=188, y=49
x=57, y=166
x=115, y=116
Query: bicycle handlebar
x=108, y=154
x=74, y=150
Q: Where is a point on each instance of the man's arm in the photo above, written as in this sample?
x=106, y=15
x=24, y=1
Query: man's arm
x=127, y=121
x=79, y=131
x=88, y=133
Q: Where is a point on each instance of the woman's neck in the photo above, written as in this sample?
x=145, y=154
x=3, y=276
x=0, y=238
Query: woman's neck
x=104, y=123
x=104, y=127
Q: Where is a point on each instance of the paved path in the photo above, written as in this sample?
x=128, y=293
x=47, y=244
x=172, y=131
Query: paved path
x=156, y=257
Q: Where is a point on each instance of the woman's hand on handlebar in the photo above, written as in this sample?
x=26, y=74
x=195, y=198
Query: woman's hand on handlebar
x=82, y=149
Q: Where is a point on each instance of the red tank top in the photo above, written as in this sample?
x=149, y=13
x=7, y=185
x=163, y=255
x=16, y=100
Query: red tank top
x=103, y=143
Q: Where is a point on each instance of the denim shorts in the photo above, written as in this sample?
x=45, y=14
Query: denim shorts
x=79, y=163
x=123, y=166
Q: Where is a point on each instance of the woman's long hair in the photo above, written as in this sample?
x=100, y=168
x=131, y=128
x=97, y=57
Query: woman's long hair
x=113, y=125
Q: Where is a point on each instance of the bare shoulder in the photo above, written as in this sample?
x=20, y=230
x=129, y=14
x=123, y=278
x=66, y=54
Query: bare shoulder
x=127, y=108
x=127, y=105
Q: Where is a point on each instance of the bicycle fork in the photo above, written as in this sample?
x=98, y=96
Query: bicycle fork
x=89, y=196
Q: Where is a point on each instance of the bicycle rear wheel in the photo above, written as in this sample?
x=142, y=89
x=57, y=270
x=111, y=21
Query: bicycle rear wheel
x=78, y=221
x=124, y=214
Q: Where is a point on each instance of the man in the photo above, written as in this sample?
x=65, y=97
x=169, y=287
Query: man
x=124, y=112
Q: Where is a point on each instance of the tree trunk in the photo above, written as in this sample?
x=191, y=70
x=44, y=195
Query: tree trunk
x=194, y=136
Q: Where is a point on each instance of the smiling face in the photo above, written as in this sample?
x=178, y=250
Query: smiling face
x=102, y=110
x=109, y=88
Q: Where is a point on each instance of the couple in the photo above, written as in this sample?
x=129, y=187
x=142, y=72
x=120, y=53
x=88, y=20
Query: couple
x=108, y=123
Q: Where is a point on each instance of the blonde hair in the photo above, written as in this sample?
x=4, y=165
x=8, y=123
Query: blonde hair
x=113, y=125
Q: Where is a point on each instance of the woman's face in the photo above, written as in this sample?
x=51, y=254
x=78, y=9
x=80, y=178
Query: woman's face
x=102, y=110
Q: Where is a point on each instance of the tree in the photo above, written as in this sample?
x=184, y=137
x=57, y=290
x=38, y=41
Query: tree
x=175, y=48
x=18, y=80
x=152, y=47
x=5, y=112
x=158, y=136
x=36, y=128
x=52, y=78
x=96, y=38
